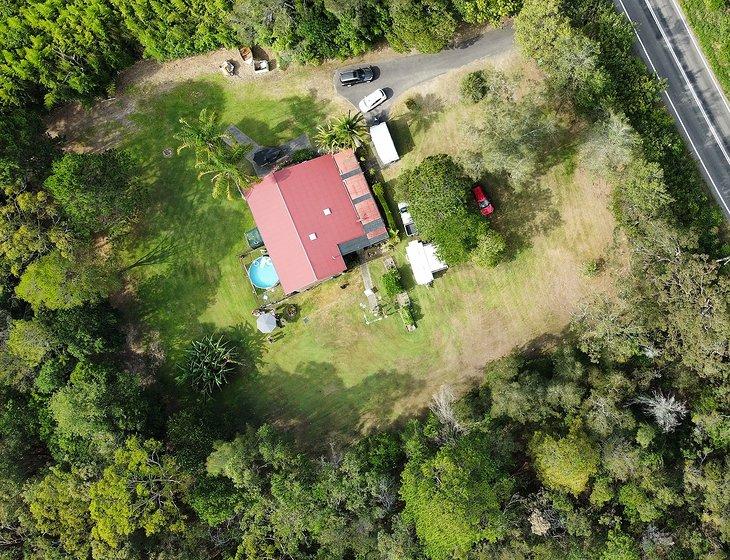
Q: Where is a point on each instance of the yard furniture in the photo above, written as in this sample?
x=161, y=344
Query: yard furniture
x=266, y=322
x=260, y=66
x=228, y=68
x=246, y=55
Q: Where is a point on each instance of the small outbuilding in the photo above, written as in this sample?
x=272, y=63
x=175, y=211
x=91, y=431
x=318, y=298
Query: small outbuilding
x=424, y=262
x=383, y=143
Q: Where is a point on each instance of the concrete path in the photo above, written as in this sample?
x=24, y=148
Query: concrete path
x=367, y=281
x=693, y=95
x=400, y=74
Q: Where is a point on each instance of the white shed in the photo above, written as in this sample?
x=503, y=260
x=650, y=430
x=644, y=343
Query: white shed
x=424, y=261
x=383, y=143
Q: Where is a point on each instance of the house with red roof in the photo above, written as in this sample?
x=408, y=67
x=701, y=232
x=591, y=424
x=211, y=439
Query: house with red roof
x=312, y=214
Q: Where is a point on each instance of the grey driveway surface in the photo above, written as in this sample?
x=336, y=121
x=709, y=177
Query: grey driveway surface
x=398, y=75
x=299, y=143
x=693, y=96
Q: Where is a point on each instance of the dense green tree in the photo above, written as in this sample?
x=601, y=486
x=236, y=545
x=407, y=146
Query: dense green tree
x=59, y=507
x=140, y=490
x=59, y=49
x=545, y=34
x=437, y=193
x=566, y=463
x=456, y=497
x=96, y=406
x=98, y=193
x=268, y=22
x=56, y=282
x=29, y=341
x=425, y=25
x=169, y=30
x=487, y=11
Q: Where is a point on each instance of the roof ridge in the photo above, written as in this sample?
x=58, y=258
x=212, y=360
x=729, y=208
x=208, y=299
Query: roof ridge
x=296, y=229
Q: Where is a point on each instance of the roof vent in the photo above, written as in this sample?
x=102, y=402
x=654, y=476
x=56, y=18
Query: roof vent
x=312, y=236
x=327, y=211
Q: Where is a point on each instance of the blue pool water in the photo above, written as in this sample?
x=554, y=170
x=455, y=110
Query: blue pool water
x=262, y=273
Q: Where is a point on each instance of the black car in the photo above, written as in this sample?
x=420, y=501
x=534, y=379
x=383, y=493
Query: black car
x=357, y=76
x=266, y=156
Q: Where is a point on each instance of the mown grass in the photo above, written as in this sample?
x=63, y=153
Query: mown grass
x=710, y=20
x=329, y=372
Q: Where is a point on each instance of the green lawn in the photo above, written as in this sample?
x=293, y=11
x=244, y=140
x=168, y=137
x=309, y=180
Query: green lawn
x=710, y=20
x=330, y=373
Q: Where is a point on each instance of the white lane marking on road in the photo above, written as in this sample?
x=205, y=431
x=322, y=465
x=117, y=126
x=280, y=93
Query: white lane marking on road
x=699, y=157
x=699, y=50
x=714, y=133
x=676, y=113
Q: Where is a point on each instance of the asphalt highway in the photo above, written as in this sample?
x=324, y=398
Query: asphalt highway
x=693, y=95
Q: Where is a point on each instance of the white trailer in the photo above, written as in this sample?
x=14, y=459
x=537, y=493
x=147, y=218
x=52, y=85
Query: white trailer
x=383, y=143
x=424, y=261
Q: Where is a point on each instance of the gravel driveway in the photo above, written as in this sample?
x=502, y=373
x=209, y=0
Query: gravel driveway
x=398, y=75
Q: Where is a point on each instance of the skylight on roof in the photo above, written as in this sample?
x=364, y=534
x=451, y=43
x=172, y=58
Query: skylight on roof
x=312, y=236
x=327, y=211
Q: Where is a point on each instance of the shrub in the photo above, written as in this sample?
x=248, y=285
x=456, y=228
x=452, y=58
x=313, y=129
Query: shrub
x=407, y=316
x=474, y=86
x=591, y=267
x=391, y=283
x=209, y=362
x=305, y=154
x=413, y=105
x=379, y=191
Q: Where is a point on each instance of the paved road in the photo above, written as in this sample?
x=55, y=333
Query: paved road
x=398, y=75
x=693, y=95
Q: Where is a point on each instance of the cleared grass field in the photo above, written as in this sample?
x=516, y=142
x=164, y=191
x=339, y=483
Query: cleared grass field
x=710, y=20
x=330, y=373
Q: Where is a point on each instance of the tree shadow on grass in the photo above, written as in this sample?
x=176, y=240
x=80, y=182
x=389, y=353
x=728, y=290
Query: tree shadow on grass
x=296, y=114
x=185, y=233
x=314, y=403
x=520, y=215
x=401, y=133
x=423, y=111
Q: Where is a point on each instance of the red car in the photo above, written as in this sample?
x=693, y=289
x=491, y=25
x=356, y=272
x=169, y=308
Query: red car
x=485, y=207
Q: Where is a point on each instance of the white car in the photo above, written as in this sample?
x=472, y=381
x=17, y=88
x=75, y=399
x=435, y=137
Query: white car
x=369, y=102
x=406, y=218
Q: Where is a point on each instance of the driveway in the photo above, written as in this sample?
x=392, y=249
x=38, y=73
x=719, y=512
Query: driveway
x=693, y=96
x=288, y=148
x=398, y=75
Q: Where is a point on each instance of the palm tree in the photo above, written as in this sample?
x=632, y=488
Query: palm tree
x=202, y=137
x=223, y=165
x=347, y=131
x=213, y=155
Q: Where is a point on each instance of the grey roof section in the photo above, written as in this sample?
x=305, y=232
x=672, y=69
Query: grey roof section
x=354, y=245
x=349, y=174
x=360, y=243
x=379, y=238
x=361, y=198
x=372, y=226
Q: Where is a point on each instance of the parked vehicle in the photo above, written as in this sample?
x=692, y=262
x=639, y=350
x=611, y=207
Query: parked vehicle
x=406, y=218
x=485, y=207
x=355, y=76
x=266, y=156
x=369, y=102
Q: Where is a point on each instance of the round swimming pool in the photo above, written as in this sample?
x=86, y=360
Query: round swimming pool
x=262, y=273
